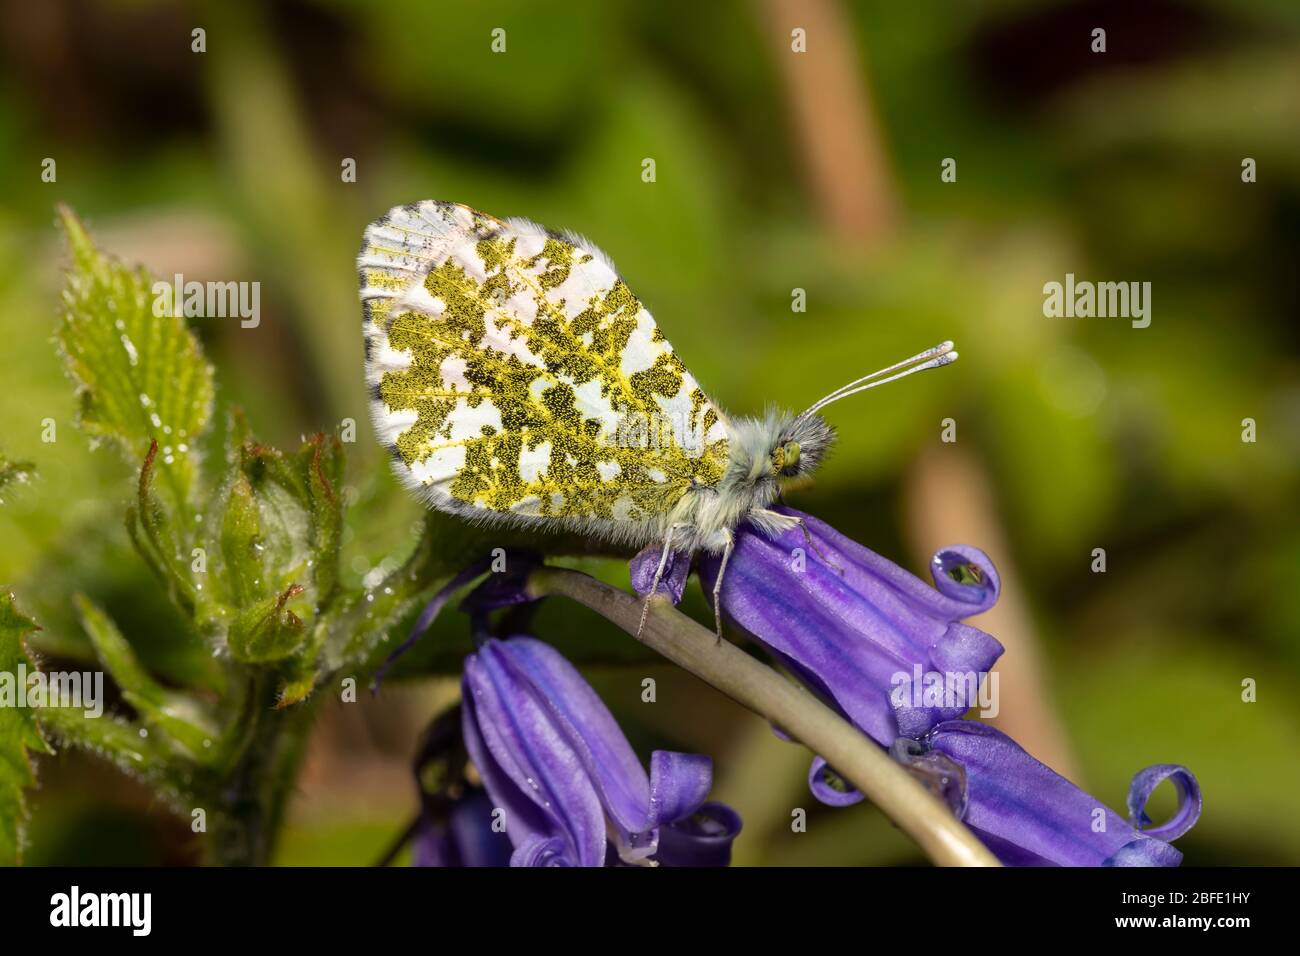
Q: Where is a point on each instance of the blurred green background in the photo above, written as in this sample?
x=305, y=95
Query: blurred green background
x=774, y=171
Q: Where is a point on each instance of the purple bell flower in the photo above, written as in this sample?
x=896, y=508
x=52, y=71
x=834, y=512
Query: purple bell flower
x=856, y=628
x=553, y=759
x=702, y=839
x=1029, y=815
x=464, y=838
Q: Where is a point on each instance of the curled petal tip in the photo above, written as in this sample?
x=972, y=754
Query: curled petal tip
x=828, y=787
x=966, y=574
x=1189, y=800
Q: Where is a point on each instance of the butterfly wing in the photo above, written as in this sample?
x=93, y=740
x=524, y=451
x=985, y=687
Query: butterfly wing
x=514, y=375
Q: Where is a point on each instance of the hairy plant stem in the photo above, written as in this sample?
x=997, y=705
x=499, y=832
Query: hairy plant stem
x=915, y=810
x=250, y=795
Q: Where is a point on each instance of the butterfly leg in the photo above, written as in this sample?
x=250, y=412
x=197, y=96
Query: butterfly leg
x=775, y=522
x=812, y=546
x=659, y=574
x=717, y=585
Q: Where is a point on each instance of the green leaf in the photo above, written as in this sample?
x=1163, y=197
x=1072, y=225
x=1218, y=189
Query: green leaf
x=19, y=732
x=141, y=377
x=319, y=477
x=175, y=715
x=157, y=538
x=278, y=530
x=122, y=743
x=267, y=631
x=279, y=486
x=363, y=628
x=241, y=544
x=254, y=543
x=322, y=460
x=301, y=675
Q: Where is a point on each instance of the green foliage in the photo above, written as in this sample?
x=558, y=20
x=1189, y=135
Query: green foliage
x=119, y=741
x=19, y=732
x=1091, y=434
x=142, y=380
x=245, y=542
x=278, y=530
x=179, y=717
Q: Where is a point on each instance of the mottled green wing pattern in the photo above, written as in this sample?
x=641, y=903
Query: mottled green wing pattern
x=513, y=373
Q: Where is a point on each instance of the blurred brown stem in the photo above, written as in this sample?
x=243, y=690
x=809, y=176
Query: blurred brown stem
x=834, y=121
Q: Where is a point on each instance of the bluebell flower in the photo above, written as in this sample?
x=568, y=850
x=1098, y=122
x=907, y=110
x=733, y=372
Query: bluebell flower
x=572, y=790
x=702, y=839
x=863, y=633
x=461, y=834
x=1029, y=815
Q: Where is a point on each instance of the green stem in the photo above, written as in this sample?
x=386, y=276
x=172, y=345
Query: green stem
x=918, y=812
x=250, y=795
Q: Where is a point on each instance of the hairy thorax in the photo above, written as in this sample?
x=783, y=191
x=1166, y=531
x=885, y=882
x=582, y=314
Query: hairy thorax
x=759, y=459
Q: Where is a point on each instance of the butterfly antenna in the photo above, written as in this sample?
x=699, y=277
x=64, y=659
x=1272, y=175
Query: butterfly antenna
x=937, y=357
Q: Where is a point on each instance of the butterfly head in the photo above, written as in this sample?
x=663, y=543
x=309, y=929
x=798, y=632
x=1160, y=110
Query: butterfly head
x=800, y=446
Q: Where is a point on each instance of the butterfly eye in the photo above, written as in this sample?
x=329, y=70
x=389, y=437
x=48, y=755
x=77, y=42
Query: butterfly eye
x=786, y=457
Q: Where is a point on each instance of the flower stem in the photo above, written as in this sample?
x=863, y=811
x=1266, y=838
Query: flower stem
x=919, y=813
x=249, y=798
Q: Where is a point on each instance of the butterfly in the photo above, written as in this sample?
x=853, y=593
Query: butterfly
x=516, y=379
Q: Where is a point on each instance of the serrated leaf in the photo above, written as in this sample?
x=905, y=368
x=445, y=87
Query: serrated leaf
x=141, y=377
x=19, y=732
